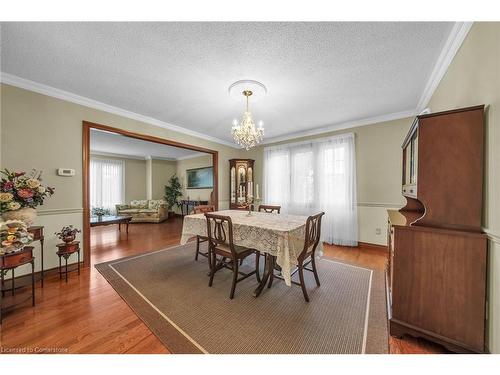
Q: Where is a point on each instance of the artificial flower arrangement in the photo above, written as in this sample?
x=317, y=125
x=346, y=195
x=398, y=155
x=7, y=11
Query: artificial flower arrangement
x=99, y=211
x=14, y=236
x=19, y=190
x=67, y=233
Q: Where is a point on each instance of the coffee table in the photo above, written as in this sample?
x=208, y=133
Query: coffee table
x=112, y=219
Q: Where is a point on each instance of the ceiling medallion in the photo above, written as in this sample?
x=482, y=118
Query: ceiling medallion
x=245, y=133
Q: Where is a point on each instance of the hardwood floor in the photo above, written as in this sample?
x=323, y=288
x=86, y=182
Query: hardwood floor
x=87, y=316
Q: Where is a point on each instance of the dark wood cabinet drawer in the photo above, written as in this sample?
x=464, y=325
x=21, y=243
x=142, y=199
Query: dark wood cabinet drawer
x=37, y=232
x=16, y=259
x=68, y=248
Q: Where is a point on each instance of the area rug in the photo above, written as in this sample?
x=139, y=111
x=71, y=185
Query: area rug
x=169, y=291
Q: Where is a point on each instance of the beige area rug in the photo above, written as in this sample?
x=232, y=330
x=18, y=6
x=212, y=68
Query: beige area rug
x=169, y=291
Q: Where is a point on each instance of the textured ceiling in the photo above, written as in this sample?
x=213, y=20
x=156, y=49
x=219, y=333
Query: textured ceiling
x=110, y=143
x=317, y=74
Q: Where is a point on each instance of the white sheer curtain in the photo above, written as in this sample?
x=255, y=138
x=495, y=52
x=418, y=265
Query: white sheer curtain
x=106, y=183
x=312, y=176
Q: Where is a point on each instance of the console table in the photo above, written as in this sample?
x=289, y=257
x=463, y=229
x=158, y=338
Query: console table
x=64, y=250
x=37, y=232
x=9, y=262
x=186, y=203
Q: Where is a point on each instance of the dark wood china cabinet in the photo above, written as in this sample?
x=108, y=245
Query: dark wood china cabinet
x=241, y=172
x=436, y=274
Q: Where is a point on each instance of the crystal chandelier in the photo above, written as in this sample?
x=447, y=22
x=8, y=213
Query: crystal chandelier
x=245, y=133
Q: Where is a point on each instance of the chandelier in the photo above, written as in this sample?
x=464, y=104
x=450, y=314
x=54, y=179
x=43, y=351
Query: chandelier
x=245, y=133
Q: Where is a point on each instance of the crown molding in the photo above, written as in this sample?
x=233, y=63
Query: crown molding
x=40, y=88
x=450, y=49
x=343, y=126
x=192, y=156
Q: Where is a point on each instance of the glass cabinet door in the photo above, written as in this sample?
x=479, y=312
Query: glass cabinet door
x=233, y=185
x=415, y=158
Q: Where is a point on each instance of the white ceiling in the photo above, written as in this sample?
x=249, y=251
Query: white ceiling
x=105, y=143
x=317, y=74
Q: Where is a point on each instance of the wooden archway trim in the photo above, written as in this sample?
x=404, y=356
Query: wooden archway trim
x=87, y=126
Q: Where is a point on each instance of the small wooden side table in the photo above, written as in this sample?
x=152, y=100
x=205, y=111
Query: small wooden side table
x=9, y=262
x=64, y=250
x=37, y=232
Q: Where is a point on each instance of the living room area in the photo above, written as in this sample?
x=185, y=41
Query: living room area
x=138, y=186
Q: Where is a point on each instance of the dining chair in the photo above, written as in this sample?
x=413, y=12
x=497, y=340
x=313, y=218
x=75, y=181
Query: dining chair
x=201, y=209
x=269, y=209
x=220, y=242
x=307, y=255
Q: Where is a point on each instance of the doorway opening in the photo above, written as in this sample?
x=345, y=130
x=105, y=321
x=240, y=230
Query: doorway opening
x=124, y=180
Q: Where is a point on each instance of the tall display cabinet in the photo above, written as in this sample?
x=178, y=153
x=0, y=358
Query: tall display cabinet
x=437, y=269
x=241, y=181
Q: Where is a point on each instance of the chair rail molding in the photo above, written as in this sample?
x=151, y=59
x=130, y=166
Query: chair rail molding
x=380, y=204
x=492, y=236
x=59, y=211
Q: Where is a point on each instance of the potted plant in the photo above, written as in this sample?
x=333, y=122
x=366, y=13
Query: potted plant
x=67, y=233
x=100, y=212
x=14, y=236
x=20, y=193
x=173, y=191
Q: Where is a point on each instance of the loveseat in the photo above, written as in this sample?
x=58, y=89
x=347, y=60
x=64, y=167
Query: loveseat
x=144, y=211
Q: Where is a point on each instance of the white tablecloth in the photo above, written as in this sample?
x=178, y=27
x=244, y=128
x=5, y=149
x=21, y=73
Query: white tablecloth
x=276, y=234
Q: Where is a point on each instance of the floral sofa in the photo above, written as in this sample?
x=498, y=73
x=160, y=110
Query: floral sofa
x=144, y=211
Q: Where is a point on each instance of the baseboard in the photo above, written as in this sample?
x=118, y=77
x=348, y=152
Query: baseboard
x=367, y=245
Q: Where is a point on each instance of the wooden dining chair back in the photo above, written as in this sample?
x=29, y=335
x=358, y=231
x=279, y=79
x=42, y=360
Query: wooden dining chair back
x=220, y=231
x=269, y=209
x=312, y=235
x=201, y=209
x=221, y=243
x=307, y=255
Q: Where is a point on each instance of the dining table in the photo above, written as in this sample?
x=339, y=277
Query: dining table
x=274, y=235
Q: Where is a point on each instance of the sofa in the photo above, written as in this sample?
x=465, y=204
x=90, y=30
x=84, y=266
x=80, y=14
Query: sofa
x=144, y=211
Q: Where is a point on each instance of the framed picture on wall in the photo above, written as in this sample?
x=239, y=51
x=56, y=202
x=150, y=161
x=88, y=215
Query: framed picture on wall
x=200, y=178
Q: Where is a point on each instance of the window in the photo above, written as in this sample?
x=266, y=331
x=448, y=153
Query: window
x=303, y=178
x=106, y=183
x=309, y=177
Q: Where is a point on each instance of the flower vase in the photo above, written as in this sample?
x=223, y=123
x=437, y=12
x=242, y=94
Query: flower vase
x=69, y=239
x=26, y=214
